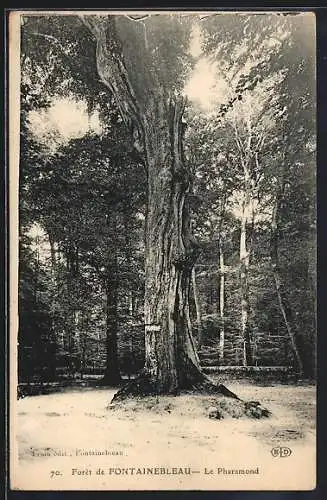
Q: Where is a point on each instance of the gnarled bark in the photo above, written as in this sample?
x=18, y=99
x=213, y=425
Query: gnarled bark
x=170, y=256
x=171, y=360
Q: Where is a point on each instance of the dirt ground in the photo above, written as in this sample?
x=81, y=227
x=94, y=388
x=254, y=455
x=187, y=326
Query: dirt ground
x=75, y=440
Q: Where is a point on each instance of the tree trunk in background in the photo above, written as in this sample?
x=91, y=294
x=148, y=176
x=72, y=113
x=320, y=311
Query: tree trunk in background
x=131, y=302
x=221, y=305
x=70, y=323
x=53, y=297
x=111, y=374
x=244, y=271
x=282, y=302
x=197, y=308
x=52, y=254
x=312, y=291
x=84, y=328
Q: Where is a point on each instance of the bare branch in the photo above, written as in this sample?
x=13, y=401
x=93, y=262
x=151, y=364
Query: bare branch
x=53, y=40
x=238, y=140
x=250, y=136
x=77, y=68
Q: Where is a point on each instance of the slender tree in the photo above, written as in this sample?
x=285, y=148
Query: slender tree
x=197, y=309
x=221, y=303
x=282, y=300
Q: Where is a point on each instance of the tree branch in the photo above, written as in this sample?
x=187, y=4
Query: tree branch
x=238, y=141
x=53, y=40
x=112, y=70
x=71, y=60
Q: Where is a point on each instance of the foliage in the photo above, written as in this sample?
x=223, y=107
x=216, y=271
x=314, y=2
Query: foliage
x=88, y=193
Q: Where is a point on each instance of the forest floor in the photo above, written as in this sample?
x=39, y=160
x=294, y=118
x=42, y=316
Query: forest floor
x=63, y=439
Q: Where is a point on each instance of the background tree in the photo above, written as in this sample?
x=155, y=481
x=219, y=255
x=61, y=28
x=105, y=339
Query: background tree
x=86, y=206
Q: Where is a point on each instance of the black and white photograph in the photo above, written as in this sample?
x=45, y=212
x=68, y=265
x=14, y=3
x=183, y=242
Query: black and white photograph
x=162, y=250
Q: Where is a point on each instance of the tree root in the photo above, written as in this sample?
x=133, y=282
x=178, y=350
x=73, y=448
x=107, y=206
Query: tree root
x=205, y=385
x=141, y=386
x=195, y=381
x=227, y=402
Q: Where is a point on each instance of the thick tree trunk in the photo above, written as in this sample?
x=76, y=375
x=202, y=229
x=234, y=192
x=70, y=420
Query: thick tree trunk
x=197, y=308
x=171, y=356
x=244, y=271
x=221, y=305
x=111, y=374
x=171, y=360
x=284, y=309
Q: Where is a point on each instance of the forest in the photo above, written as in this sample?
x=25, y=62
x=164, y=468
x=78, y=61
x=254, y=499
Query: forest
x=167, y=198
